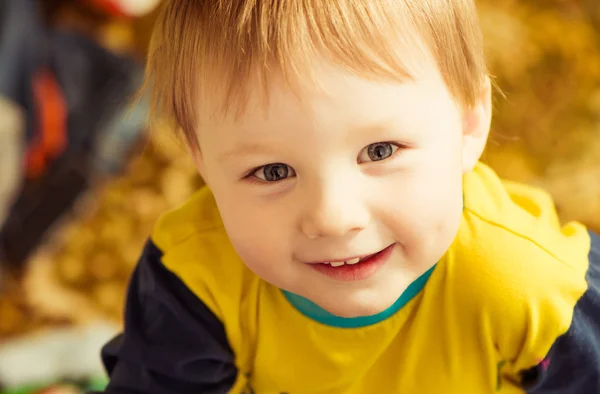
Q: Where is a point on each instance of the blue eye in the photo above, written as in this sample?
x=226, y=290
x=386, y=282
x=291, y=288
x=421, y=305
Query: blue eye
x=274, y=172
x=377, y=152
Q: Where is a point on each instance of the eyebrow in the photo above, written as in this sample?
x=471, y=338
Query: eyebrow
x=244, y=150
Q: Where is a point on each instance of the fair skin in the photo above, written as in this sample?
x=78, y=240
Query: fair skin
x=352, y=167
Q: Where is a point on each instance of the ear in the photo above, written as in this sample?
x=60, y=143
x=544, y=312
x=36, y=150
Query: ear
x=476, y=127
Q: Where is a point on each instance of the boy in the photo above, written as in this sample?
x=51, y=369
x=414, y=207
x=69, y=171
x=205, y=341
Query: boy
x=351, y=242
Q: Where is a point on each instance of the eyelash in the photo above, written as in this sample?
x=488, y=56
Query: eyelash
x=249, y=176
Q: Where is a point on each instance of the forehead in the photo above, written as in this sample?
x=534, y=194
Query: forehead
x=264, y=95
x=338, y=106
x=328, y=88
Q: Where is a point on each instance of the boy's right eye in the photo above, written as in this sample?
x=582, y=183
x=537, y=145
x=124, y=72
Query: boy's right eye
x=273, y=172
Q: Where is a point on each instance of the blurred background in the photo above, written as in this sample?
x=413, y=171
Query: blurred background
x=82, y=181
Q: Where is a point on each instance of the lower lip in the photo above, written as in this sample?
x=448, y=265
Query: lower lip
x=360, y=271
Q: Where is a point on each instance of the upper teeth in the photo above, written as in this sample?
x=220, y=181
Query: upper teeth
x=340, y=263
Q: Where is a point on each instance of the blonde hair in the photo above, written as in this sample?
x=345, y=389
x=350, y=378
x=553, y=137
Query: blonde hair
x=213, y=48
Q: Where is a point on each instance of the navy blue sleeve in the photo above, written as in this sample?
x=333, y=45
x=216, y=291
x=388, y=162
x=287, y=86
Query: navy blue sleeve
x=573, y=363
x=172, y=342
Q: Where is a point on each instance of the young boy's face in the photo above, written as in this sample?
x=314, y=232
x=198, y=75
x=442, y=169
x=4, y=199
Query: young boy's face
x=349, y=170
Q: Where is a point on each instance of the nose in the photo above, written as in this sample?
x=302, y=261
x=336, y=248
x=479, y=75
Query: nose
x=334, y=209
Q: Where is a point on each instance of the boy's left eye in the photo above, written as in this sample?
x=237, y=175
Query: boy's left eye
x=273, y=172
x=377, y=152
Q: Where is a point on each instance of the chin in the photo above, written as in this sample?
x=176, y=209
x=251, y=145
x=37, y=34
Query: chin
x=356, y=309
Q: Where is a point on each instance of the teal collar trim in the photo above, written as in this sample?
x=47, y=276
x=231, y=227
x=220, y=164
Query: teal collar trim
x=318, y=314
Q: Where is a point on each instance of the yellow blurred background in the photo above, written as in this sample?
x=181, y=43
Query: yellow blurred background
x=544, y=56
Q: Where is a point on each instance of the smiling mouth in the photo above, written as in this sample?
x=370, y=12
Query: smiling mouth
x=355, y=268
x=352, y=260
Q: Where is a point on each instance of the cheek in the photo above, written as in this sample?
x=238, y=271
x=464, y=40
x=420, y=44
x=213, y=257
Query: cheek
x=259, y=235
x=424, y=208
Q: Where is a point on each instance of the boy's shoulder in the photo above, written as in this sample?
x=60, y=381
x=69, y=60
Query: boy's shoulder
x=198, y=215
x=516, y=227
x=516, y=267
